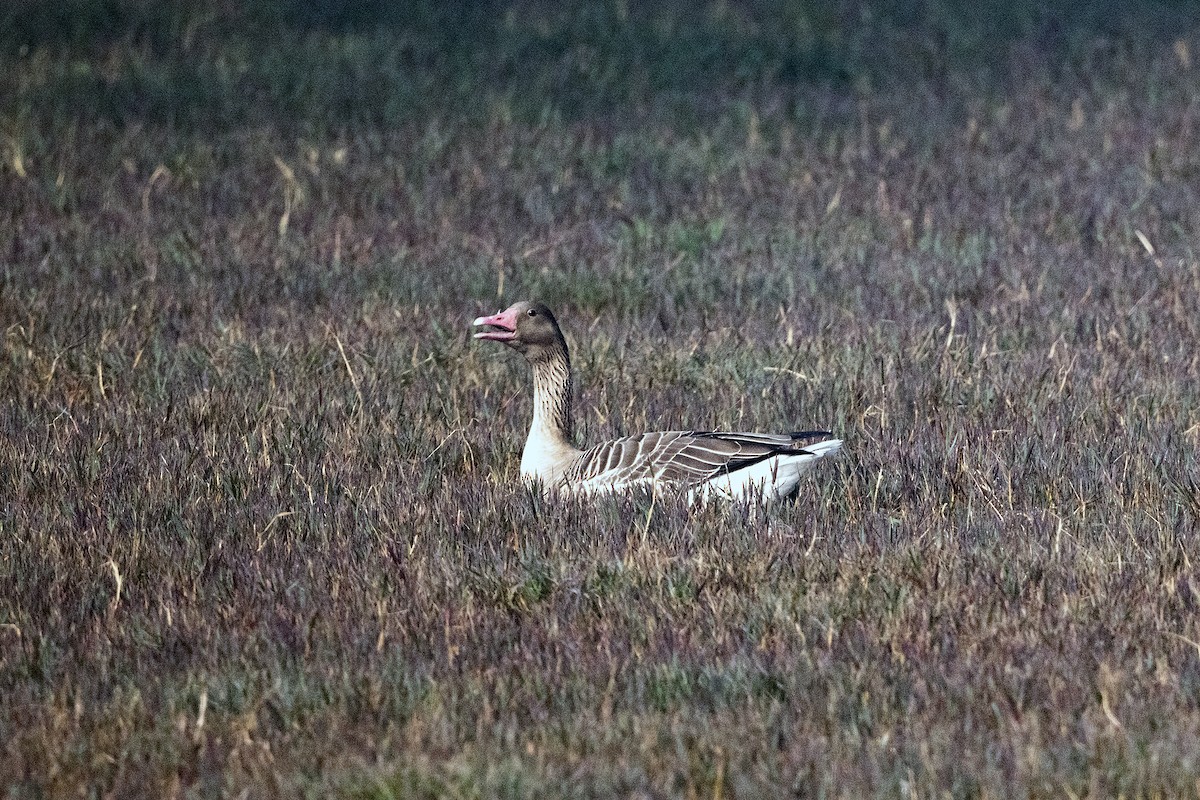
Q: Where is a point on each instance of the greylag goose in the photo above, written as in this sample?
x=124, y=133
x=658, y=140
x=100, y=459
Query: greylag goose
x=742, y=466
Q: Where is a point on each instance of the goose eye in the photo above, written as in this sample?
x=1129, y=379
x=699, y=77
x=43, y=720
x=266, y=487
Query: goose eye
x=533, y=312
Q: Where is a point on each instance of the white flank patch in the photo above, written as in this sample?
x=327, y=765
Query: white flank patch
x=769, y=480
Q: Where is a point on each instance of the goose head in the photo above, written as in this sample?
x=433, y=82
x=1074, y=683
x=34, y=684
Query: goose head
x=527, y=327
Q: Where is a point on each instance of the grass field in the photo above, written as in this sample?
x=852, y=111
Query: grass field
x=260, y=529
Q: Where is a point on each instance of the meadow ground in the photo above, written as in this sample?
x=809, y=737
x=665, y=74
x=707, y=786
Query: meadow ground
x=259, y=529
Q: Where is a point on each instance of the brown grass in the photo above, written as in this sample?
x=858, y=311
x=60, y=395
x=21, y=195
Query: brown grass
x=259, y=527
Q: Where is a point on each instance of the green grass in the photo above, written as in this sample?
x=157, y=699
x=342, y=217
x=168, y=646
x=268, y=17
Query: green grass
x=259, y=525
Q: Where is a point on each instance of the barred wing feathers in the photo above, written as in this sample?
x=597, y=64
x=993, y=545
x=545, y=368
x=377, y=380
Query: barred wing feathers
x=682, y=458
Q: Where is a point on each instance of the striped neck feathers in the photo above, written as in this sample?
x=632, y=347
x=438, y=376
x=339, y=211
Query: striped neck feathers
x=552, y=419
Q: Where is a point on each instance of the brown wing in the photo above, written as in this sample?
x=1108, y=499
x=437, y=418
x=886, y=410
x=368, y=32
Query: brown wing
x=685, y=458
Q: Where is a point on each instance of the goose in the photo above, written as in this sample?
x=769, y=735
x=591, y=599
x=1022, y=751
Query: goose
x=700, y=464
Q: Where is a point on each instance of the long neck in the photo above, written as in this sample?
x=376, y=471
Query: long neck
x=552, y=421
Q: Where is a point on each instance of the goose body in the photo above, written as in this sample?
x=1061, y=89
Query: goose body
x=701, y=464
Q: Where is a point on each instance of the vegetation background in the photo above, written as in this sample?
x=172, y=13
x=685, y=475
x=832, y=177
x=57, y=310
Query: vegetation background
x=260, y=533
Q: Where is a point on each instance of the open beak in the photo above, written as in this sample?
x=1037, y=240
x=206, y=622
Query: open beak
x=502, y=327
